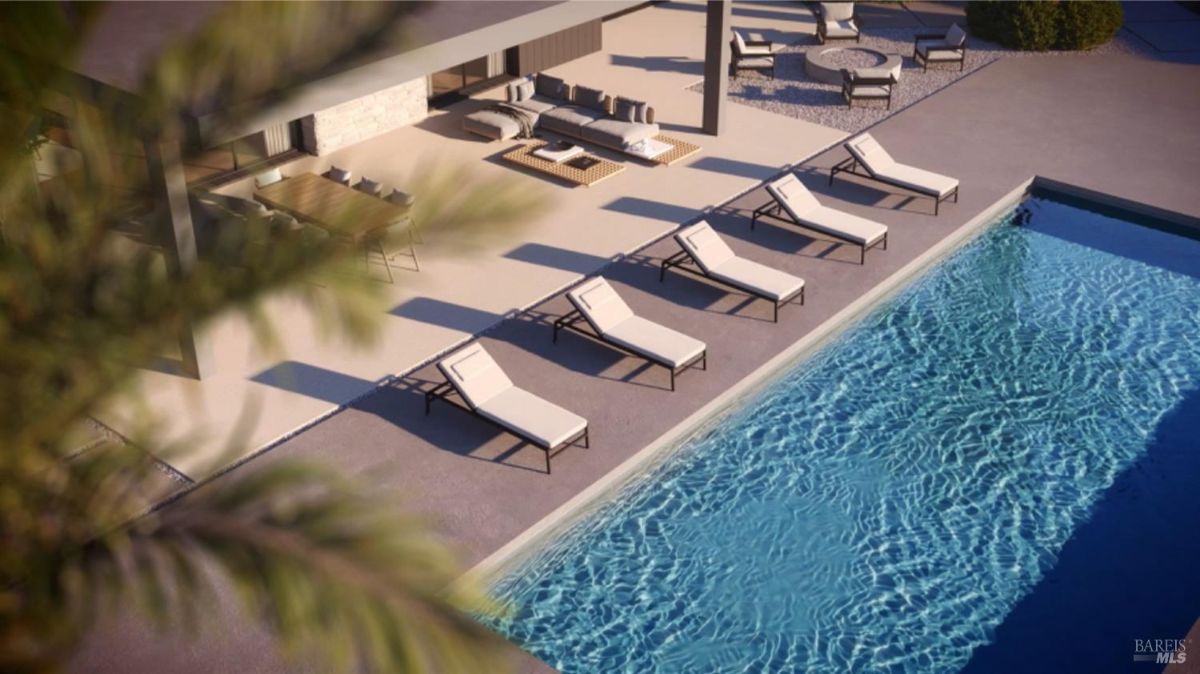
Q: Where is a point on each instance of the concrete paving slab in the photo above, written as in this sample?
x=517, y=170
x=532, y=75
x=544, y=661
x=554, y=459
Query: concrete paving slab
x=1169, y=36
x=939, y=14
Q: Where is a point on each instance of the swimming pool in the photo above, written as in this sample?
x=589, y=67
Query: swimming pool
x=884, y=505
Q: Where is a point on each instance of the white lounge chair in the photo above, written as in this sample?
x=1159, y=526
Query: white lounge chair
x=866, y=152
x=615, y=324
x=705, y=254
x=792, y=203
x=488, y=393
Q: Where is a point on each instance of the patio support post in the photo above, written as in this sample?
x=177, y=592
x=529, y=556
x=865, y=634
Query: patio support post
x=716, y=65
x=172, y=212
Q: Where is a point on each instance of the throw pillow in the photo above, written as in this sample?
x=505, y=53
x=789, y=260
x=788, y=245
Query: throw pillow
x=551, y=87
x=625, y=110
x=589, y=98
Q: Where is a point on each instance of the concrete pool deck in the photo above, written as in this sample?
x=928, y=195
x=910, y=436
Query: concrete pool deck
x=1121, y=125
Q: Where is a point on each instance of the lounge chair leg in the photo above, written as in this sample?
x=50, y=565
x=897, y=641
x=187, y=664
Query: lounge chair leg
x=587, y=441
x=704, y=361
x=672, y=379
x=802, y=297
x=662, y=273
x=936, y=204
x=547, y=462
x=885, y=241
x=776, y=319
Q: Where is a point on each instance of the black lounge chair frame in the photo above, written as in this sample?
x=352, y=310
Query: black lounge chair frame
x=774, y=210
x=736, y=57
x=683, y=261
x=917, y=39
x=851, y=165
x=851, y=80
x=444, y=390
x=572, y=320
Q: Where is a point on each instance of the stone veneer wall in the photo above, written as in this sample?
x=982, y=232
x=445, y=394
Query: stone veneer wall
x=366, y=117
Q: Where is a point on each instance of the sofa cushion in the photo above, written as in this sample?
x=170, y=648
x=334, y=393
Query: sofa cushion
x=590, y=98
x=510, y=92
x=624, y=109
x=491, y=125
x=525, y=90
x=643, y=113
x=617, y=134
x=569, y=119
x=550, y=87
x=537, y=104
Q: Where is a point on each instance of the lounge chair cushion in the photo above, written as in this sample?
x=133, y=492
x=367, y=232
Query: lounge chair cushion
x=524, y=90
x=792, y=195
x=869, y=153
x=705, y=246
x=590, y=98
x=860, y=231
x=475, y=375
x=617, y=134
x=955, y=37
x=569, y=119
x=937, y=51
x=533, y=417
x=759, y=278
x=739, y=42
x=871, y=90
x=763, y=62
x=840, y=29
x=837, y=11
x=600, y=304
x=656, y=342
x=551, y=87
x=920, y=180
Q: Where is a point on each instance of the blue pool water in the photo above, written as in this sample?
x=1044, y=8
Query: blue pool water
x=884, y=506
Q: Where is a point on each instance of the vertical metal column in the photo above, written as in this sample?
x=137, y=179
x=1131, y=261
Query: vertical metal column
x=173, y=213
x=716, y=64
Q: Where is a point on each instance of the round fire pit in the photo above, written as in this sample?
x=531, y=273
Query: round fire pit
x=825, y=63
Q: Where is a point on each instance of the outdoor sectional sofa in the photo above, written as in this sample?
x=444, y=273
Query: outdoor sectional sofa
x=579, y=112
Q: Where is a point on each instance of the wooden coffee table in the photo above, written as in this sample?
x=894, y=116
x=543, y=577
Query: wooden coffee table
x=567, y=171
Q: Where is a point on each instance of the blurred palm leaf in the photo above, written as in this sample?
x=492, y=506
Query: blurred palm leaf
x=87, y=297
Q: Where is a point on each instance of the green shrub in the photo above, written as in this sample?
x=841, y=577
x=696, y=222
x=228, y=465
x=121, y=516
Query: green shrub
x=1083, y=25
x=1038, y=26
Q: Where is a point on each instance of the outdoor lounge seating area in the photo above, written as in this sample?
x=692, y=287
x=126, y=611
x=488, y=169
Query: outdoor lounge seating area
x=577, y=111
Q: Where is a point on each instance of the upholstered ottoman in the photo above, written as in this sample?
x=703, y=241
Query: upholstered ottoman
x=491, y=125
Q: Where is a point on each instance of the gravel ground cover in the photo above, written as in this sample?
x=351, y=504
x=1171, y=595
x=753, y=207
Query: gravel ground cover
x=794, y=93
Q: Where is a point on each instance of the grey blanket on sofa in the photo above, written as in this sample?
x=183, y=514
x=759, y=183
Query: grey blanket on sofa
x=521, y=117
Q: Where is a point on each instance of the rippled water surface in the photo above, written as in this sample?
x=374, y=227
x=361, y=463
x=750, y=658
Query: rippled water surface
x=883, y=506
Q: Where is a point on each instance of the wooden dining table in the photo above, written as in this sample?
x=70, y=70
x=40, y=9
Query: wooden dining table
x=340, y=209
